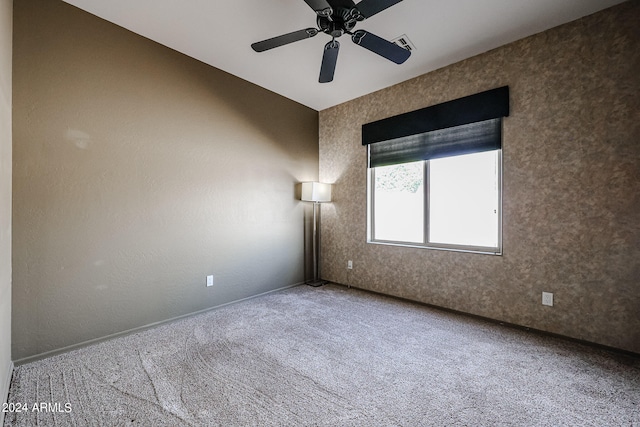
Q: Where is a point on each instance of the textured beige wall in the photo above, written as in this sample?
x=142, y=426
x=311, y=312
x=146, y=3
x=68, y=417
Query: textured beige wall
x=571, y=186
x=137, y=172
x=5, y=196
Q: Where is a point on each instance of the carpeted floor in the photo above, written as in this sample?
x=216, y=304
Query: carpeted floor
x=330, y=356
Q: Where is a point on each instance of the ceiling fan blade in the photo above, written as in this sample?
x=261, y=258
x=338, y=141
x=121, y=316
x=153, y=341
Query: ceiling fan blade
x=329, y=60
x=382, y=47
x=284, y=39
x=321, y=7
x=368, y=8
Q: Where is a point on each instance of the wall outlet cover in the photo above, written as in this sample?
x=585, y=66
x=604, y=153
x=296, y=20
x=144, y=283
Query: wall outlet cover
x=547, y=299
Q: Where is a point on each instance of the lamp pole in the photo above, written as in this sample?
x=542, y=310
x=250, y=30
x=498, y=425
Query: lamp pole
x=317, y=193
x=316, y=270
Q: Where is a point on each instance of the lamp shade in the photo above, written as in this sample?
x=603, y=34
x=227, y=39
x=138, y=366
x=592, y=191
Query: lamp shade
x=316, y=192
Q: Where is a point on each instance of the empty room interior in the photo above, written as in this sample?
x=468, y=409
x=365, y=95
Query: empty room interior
x=477, y=261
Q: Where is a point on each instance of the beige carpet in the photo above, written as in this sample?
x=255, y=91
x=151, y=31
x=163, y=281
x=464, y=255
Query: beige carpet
x=330, y=356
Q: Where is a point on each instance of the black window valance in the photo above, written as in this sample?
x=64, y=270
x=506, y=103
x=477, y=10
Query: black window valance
x=466, y=125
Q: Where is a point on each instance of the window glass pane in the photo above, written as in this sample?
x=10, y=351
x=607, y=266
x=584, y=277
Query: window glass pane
x=399, y=203
x=464, y=199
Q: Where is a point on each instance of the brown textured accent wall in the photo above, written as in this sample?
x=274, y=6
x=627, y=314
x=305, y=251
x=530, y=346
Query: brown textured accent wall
x=137, y=172
x=6, y=7
x=571, y=186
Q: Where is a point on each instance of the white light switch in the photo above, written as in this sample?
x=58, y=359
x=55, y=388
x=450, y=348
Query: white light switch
x=209, y=280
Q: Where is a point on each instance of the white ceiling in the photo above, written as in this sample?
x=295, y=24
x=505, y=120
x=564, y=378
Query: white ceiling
x=220, y=33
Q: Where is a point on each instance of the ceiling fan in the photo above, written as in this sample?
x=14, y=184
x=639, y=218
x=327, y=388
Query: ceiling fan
x=335, y=18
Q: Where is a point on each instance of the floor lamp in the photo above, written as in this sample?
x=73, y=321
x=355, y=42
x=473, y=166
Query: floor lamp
x=316, y=192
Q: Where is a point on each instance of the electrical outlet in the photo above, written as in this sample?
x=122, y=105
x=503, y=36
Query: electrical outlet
x=547, y=299
x=349, y=265
x=209, y=280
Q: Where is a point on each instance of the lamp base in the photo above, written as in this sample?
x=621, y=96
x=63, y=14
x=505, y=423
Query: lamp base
x=316, y=283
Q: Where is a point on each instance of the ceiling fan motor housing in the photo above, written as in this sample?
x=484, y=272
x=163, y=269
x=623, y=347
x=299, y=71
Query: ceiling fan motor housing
x=342, y=20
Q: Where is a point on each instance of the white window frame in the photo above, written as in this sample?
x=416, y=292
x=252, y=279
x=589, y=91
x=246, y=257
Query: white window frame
x=425, y=242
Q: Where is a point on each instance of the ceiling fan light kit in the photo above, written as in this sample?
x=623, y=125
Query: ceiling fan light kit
x=336, y=18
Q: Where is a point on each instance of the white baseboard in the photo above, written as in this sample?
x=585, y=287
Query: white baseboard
x=4, y=391
x=68, y=348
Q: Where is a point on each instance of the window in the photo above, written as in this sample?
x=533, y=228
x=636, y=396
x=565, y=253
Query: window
x=435, y=175
x=445, y=203
x=398, y=202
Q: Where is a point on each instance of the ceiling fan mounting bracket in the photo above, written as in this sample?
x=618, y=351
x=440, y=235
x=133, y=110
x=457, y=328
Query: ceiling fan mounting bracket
x=327, y=12
x=357, y=36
